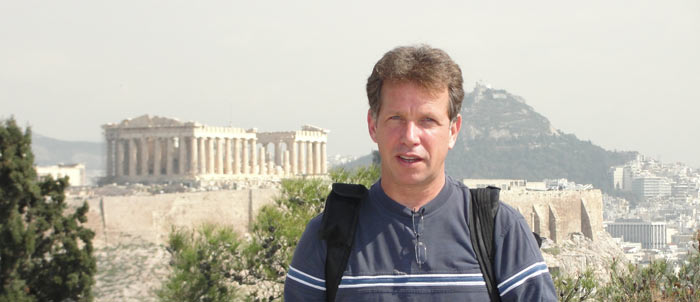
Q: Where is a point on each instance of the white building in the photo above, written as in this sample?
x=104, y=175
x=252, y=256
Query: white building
x=652, y=235
x=622, y=178
x=75, y=173
x=651, y=186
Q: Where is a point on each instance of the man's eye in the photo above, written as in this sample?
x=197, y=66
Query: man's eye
x=395, y=117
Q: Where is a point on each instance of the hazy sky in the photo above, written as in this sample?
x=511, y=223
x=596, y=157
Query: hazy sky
x=624, y=74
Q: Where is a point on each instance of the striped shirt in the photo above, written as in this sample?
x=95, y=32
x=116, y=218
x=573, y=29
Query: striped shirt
x=383, y=266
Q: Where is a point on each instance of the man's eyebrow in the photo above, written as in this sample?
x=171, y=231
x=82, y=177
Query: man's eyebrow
x=393, y=112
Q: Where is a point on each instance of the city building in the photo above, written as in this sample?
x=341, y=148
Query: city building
x=651, y=186
x=622, y=178
x=75, y=173
x=652, y=235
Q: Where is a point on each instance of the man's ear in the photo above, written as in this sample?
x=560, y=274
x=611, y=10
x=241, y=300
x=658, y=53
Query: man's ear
x=371, y=125
x=454, y=130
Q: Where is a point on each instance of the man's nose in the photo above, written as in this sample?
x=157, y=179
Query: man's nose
x=410, y=134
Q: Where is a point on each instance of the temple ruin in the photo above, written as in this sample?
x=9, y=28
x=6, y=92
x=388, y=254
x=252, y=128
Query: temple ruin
x=554, y=214
x=152, y=149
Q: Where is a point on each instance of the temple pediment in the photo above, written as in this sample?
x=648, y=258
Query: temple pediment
x=308, y=127
x=148, y=121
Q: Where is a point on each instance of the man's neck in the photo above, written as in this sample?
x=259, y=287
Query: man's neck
x=414, y=196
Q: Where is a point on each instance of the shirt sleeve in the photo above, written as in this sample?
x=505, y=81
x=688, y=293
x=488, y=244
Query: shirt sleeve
x=520, y=269
x=305, y=277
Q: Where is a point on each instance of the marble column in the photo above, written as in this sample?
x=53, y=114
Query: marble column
x=324, y=158
x=120, y=158
x=253, y=156
x=132, y=157
x=301, y=166
x=246, y=161
x=181, y=152
x=110, y=157
x=211, y=155
x=157, y=153
x=309, y=158
x=236, y=156
x=278, y=153
x=227, y=156
x=287, y=164
x=293, y=156
x=317, y=158
x=220, y=153
x=168, y=156
x=271, y=168
x=143, y=159
x=204, y=148
x=202, y=159
x=262, y=165
x=194, y=156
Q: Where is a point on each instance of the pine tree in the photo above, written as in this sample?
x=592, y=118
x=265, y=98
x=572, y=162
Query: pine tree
x=45, y=254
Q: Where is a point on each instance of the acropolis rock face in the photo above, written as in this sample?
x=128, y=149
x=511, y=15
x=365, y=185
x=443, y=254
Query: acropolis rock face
x=152, y=149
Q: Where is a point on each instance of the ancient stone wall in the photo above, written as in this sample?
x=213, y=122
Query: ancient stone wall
x=552, y=214
x=555, y=214
x=152, y=217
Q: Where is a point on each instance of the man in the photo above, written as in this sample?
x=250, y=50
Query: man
x=412, y=242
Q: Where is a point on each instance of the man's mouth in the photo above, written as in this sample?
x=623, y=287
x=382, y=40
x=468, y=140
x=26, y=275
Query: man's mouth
x=409, y=159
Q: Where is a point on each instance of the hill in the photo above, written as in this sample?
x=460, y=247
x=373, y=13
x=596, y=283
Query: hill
x=50, y=151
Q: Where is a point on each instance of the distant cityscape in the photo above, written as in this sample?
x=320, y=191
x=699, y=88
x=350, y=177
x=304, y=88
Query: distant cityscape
x=663, y=219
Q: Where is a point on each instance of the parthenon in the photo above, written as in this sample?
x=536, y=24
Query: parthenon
x=152, y=149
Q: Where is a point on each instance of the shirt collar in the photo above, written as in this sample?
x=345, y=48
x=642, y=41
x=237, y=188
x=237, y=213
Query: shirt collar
x=384, y=202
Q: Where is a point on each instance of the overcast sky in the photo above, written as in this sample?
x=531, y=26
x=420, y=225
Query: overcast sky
x=624, y=74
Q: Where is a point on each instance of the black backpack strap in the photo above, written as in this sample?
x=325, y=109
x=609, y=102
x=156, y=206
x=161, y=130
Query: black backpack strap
x=338, y=226
x=538, y=239
x=483, y=208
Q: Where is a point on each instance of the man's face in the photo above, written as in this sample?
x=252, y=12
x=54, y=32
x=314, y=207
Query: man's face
x=413, y=132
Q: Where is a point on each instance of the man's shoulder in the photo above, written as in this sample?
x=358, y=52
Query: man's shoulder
x=509, y=211
x=313, y=228
x=310, y=254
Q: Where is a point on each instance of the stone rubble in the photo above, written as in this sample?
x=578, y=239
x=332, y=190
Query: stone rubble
x=578, y=253
x=130, y=272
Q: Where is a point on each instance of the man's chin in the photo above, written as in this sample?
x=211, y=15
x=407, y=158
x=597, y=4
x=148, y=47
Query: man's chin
x=410, y=180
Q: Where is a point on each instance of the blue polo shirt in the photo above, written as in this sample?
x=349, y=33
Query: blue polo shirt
x=383, y=266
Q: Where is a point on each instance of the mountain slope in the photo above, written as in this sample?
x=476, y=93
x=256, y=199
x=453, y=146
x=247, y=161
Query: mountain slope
x=50, y=151
x=503, y=137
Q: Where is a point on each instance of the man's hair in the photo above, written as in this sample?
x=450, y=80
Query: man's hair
x=431, y=68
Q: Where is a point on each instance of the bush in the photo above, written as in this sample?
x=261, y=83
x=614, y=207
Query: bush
x=578, y=288
x=203, y=263
x=260, y=263
x=659, y=281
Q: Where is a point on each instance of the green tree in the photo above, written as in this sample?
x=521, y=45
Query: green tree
x=203, y=263
x=277, y=229
x=45, y=255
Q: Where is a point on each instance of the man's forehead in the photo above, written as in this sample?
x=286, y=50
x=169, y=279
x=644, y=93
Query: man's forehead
x=429, y=95
x=434, y=89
